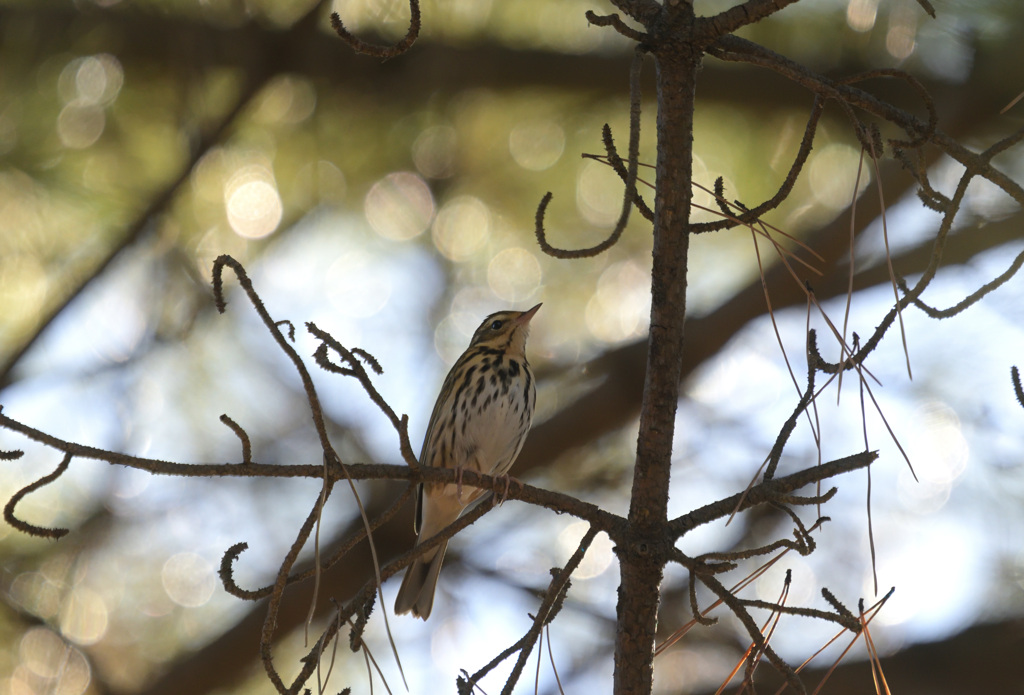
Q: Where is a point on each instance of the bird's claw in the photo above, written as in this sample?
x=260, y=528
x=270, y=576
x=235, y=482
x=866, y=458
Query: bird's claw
x=499, y=499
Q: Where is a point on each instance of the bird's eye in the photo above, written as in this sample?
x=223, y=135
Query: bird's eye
x=495, y=325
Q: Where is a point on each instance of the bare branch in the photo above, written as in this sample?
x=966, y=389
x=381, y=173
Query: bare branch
x=630, y=192
x=558, y=502
x=806, y=144
x=277, y=595
x=1017, y=389
x=768, y=491
x=242, y=436
x=307, y=382
x=923, y=95
x=775, y=455
x=736, y=605
x=927, y=7
x=969, y=300
x=356, y=370
x=141, y=224
x=384, y=52
x=613, y=21
x=732, y=19
x=549, y=608
x=24, y=526
x=620, y=168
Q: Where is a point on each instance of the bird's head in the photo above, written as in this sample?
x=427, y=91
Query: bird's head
x=505, y=330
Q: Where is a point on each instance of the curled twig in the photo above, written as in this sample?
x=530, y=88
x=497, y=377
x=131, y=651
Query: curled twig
x=356, y=370
x=352, y=540
x=630, y=192
x=316, y=411
x=803, y=544
x=24, y=526
x=227, y=576
x=969, y=300
x=384, y=52
x=291, y=328
x=785, y=188
x=242, y=436
x=698, y=615
x=775, y=456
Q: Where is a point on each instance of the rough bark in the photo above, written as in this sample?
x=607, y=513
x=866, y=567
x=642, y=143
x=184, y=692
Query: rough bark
x=642, y=559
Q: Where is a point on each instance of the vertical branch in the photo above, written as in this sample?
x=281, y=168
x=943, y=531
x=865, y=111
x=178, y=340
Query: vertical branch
x=642, y=558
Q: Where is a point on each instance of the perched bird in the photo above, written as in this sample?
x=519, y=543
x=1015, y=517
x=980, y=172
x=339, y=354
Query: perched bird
x=479, y=423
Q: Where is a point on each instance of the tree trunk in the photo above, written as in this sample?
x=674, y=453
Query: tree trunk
x=642, y=559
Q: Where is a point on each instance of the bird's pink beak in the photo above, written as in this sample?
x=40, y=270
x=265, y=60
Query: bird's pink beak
x=527, y=315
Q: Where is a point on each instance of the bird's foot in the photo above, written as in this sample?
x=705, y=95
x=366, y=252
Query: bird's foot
x=499, y=499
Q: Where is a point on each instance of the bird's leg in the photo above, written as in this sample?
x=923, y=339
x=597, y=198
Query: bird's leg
x=499, y=499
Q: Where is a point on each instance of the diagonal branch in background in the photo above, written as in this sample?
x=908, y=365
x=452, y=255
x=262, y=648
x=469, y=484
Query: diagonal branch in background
x=137, y=229
x=253, y=82
x=321, y=56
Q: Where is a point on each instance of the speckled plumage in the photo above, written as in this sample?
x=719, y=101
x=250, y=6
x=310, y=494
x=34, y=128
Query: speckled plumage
x=479, y=423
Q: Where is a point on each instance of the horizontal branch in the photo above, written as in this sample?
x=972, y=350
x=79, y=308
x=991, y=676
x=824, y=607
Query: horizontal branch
x=769, y=491
x=560, y=503
x=555, y=501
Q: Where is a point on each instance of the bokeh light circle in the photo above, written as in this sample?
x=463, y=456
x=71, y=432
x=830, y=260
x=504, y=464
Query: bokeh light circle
x=400, y=206
x=514, y=274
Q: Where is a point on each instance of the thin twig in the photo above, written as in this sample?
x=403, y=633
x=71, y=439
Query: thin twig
x=24, y=526
x=630, y=192
x=549, y=608
x=1018, y=391
x=385, y=52
x=242, y=436
x=768, y=491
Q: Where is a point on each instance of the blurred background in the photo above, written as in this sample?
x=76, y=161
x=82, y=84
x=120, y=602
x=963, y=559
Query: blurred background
x=392, y=203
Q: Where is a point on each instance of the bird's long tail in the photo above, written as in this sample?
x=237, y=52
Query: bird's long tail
x=417, y=591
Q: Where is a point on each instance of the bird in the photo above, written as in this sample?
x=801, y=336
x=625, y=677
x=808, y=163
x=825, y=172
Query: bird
x=479, y=423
